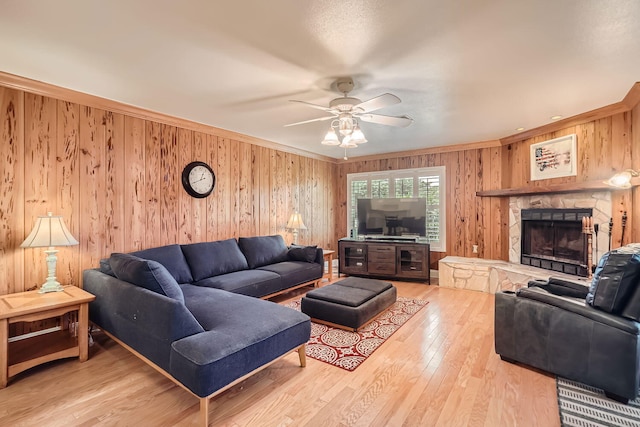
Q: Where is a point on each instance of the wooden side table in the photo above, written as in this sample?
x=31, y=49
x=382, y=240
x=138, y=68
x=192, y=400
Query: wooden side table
x=328, y=257
x=31, y=306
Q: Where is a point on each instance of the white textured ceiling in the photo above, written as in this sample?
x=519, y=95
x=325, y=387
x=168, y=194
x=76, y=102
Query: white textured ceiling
x=466, y=71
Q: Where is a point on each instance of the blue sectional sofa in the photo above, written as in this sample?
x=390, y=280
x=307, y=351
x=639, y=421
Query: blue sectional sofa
x=194, y=311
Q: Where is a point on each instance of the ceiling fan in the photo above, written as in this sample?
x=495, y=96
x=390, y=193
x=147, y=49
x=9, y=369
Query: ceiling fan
x=345, y=112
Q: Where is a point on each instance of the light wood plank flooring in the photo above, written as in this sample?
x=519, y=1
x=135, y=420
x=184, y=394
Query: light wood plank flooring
x=439, y=369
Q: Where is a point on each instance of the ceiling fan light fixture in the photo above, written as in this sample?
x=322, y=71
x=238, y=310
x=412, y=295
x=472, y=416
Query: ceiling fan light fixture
x=348, y=143
x=331, y=138
x=345, y=124
x=357, y=137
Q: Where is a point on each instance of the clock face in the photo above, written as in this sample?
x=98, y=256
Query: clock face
x=198, y=179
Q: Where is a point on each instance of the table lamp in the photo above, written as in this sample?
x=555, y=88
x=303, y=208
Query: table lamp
x=49, y=231
x=295, y=223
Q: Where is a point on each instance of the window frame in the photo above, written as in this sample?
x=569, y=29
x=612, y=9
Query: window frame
x=392, y=175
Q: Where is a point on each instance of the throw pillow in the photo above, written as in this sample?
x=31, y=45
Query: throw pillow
x=172, y=258
x=145, y=273
x=263, y=250
x=302, y=253
x=210, y=259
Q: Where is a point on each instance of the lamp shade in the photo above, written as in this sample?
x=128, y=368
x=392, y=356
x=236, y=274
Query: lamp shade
x=49, y=231
x=295, y=222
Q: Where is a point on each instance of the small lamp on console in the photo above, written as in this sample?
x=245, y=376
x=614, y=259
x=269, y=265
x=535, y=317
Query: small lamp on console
x=49, y=231
x=295, y=224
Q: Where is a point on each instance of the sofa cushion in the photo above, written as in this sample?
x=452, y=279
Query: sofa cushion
x=615, y=280
x=263, y=250
x=210, y=259
x=145, y=273
x=302, y=253
x=238, y=340
x=295, y=272
x=255, y=283
x=172, y=258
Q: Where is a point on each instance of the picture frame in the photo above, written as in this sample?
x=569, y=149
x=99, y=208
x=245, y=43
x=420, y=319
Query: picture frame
x=554, y=158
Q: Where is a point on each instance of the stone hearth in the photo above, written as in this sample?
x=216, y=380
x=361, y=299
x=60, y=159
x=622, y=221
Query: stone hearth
x=486, y=275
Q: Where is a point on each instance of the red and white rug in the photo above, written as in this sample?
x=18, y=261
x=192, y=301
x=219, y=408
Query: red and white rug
x=347, y=350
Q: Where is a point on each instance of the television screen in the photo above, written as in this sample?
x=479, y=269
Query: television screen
x=392, y=217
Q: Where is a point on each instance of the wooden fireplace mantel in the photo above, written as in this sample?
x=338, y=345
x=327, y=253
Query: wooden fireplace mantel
x=572, y=187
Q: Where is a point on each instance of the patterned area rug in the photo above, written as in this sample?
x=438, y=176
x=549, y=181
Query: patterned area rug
x=347, y=350
x=584, y=406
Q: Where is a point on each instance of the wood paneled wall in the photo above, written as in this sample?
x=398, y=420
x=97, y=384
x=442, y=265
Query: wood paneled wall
x=606, y=145
x=471, y=220
x=116, y=179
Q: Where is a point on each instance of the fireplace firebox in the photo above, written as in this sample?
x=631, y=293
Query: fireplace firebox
x=552, y=239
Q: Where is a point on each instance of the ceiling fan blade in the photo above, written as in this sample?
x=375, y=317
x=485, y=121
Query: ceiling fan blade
x=321, y=119
x=316, y=106
x=378, y=102
x=403, y=121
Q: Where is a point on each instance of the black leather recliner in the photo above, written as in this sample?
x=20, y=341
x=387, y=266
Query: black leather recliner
x=551, y=326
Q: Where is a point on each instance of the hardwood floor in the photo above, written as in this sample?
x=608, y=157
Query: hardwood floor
x=438, y=369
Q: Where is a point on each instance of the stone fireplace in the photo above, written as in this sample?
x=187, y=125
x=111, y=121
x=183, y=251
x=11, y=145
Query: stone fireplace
x=537, y=213
x=552, y=239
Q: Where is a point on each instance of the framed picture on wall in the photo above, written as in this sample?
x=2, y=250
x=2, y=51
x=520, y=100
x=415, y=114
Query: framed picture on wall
x=554, y=158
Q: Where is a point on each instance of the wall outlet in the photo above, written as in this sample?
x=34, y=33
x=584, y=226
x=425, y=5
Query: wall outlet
x=475, y=249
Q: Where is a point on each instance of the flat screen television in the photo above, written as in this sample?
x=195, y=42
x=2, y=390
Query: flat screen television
x=402, y=217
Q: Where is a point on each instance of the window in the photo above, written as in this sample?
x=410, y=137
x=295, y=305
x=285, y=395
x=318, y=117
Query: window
x=425, y=183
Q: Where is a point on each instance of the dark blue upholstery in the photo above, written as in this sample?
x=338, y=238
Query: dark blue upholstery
x=254, y=283
x=210, y=335
x=295, y=272
x=302, y=253
x=243, y=333
x=263, y=250
x=172, y=258
x=210, y=259
x=145, y=273
x=143, y=319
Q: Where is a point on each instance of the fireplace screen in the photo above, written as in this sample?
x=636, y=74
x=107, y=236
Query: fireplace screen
x=553, y=239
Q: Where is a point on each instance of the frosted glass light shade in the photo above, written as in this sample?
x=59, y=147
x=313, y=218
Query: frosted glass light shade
x=357, y=137
x=331, y=138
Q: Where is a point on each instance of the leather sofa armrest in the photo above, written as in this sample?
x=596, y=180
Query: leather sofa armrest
x=558, y=286
x=319, y=257
x=581, y=308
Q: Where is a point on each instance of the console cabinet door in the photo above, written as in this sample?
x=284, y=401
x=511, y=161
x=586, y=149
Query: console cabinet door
x=412, y=261
x=353, y=258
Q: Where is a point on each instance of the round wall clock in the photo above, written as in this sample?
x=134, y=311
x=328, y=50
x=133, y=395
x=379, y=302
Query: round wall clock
x=198, y=179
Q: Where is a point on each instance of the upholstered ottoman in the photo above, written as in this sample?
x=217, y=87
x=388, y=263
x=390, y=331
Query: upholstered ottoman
x=350, y=303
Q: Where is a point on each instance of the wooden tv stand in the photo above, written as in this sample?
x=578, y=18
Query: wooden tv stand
x=390, y=259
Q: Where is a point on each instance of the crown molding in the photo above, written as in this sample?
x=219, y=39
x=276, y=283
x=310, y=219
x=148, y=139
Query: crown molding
x=49, y=90
x=422, y=151
x=628, y=103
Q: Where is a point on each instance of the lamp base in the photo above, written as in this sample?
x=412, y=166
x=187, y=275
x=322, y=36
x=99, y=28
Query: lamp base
x=50, y=287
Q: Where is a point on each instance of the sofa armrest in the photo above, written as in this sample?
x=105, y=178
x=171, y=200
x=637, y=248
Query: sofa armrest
x=143, y=319
x=568, y=339
x=558, y=286
x=319, y=257
x=579, y=307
